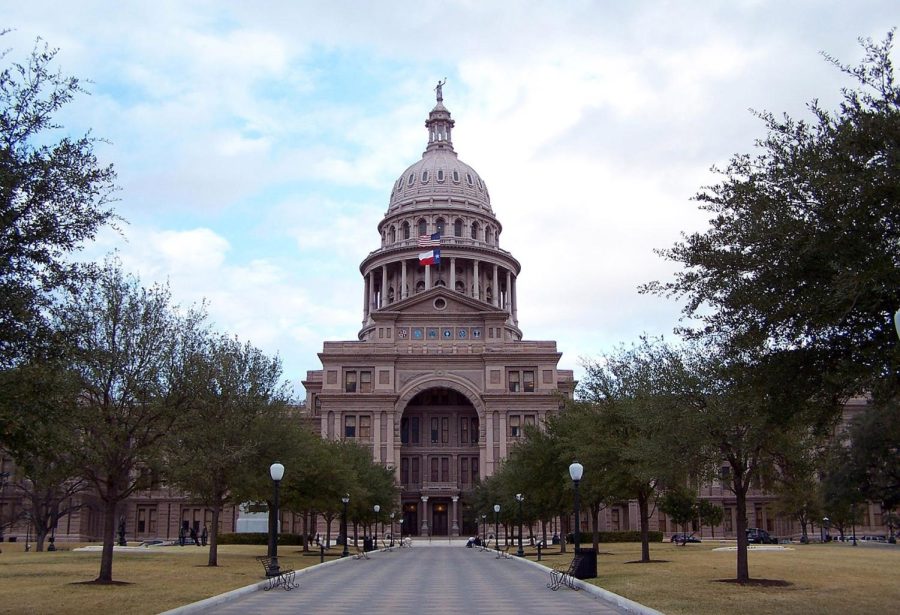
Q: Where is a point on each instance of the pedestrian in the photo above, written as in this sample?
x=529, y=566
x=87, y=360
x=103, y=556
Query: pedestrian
x=182, y=533
x=204, y=536
x=194, y=536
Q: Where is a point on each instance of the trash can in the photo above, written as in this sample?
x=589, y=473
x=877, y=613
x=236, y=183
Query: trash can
x=367, y=544
x=587, y=568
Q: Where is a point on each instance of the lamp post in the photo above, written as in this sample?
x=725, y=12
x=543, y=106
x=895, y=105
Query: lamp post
x=276, y=471
x=345, y=500
x=375, y=541
x=825, y=522
x=401, y=530
x=576, y=470
x=483, y=530
x=392, y=529
x=520, y=498
x=497, y=526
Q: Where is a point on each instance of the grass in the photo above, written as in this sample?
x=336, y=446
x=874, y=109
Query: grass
x=823, y=579
x=826, y=579
x=155, y=582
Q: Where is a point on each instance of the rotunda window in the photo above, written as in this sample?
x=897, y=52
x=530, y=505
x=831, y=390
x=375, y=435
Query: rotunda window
x=469, y=178
x=393, y=234
x=439, y=226
x=440, y=176
x=455, y=176
x=425, y=176
x=474, y=230
x=406, y=230
x=457, y=228
x=423, y=227
x=488, y=233
x=412, y=178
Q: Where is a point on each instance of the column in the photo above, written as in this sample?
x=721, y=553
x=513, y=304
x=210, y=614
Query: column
x=371, y=277
x=452, y=274
x=384, y=283
x=475, y=280
x=365, y=298
x=390, y=445
x=376, y=435
x=508, y=305
x=424, y=530
x=496, y=288
x=427, y=277
x=502, y=435
x=403, y=284
x=515, y=308
x=454, y=530
x=486, y=444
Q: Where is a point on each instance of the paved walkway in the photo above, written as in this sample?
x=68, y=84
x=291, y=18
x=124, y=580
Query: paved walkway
x=418, y=581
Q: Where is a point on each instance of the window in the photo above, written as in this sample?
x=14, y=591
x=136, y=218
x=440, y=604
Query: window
x=365, y=381
x=350, y=426
x=404, y=431
x=414, y=430
x=411, y=179
x=404, y=471
x=365, y=427
x=423, y=227
x=529, y=420
x=469, y=178
x=528, y=381
x=445, y=430
x=439, y=226
x=455, y=176
x=488, y=234
x=445, y=469
x=440, y=175
x=350, y=382
x=393, y=234
x=474, y=430
x=464, y=431
x=146, y=520
x=406, y=230
x=474, y=230
x=424, y=177
x=476, y=477
x=457, y=228
x=434, y=430
x=515, y=426
x=415, y=470
x=464, y=476
x=513, y=379
x=358, y=380
x=434, y=470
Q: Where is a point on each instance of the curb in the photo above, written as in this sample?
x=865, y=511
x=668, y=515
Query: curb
x=202, y=605
x=605, y=595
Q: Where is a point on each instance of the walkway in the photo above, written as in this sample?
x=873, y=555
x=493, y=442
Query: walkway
x=422, y=580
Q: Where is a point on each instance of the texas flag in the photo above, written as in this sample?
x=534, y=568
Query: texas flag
x=432, y=257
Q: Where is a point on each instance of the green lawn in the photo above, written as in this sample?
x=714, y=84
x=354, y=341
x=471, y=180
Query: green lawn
x=822, y=579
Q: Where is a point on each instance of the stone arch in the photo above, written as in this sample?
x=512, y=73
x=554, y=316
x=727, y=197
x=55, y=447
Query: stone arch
x=438, y=381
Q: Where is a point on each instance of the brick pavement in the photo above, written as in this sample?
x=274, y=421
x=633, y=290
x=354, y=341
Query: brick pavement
x=418, y=581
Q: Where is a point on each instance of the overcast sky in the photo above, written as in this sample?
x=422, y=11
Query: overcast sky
x=257, y=142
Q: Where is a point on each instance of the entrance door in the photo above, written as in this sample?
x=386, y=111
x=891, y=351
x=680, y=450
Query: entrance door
x=410, y=520
x=439, y=520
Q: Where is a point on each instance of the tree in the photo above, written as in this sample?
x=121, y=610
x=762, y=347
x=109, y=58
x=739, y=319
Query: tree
x=54, y=195
x=710, y=515
x=802, y=250
x=680, y=504
x=126, y=350
x=874, y=440
x=236, y=421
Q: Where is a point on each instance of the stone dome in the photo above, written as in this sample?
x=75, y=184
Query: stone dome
x=440, y=175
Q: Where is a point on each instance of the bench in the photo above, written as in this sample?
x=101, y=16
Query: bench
x=386, y=546
x=485, y=546
x=276, y=576
x=406, y=542
x=564, y=576
x=504, y=552
x=361, y=553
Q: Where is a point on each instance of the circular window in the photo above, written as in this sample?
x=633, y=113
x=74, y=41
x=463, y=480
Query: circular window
x=440, y=303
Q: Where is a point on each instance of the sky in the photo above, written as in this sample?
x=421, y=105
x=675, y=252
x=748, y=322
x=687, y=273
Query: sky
x=256, y=143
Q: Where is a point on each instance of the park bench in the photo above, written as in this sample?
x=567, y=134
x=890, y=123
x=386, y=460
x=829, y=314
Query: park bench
x=406, y=542
x=386, y=545
x=485, y=546
x=564, y=576
x=361, y=553
x=504, y=552
x=276, y=577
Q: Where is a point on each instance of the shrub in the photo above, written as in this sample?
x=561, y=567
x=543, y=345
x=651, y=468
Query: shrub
x=258, y=538
x=628, y=536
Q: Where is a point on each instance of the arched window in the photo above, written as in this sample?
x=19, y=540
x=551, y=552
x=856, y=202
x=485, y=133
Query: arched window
x=423, y=226
x=412, y=178
x=455, y=176
x=439, y=226
x=393, y=234
x=460, y=286
x=440, y=283
x=440, y=175
x=474, y=230
x=469, y=178
x=406, y=230
x=457, y=228
x=420, y=286
x=488, y=234
x=425, y=177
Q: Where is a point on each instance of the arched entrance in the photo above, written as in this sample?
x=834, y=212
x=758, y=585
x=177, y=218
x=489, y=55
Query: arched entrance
x=440, y=462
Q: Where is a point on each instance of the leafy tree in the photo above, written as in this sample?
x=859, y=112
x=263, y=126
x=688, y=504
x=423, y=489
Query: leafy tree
x=710, y=515
x=680, y=504
x=127, y=351
x=874, y=440
x=54, y=195
x=802, y=250
x=236, y=420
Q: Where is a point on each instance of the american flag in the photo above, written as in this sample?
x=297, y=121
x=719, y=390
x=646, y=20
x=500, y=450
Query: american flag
x=430, y=241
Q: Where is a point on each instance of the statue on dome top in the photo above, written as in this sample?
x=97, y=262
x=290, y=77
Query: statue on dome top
x=439, y=89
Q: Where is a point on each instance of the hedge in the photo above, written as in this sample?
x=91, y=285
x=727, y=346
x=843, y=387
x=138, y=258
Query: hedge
x=258, y=538
x=628, y=536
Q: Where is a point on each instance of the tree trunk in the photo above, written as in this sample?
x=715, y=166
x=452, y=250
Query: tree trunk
x=644, y=512
x=740, y=493
x=214, y=537
x=305, y=525
x=544, y=533
x=595, y=525
x=109, y=540
x=328, y=519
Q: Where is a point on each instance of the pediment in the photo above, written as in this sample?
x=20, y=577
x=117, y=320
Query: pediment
x=438, y=301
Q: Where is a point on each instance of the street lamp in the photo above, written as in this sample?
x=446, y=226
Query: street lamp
x=519, y=499
x=392, y=529
x=825, y=522
x=483, y=530
x=375, y=541
x=497, y=526
x=401, y=530
x=276, y=471
x=345, y=500
x=576, y=470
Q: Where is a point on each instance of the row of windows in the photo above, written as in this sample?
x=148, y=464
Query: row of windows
x=358, y=381
x=439, y=430
x=405, y=230
x=358, y=426
x=439, y=470
x=440, y=177
x=520, y=381
x=517, y=422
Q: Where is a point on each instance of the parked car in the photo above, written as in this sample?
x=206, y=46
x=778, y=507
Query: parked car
x=760, y=537
x=684, y=538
